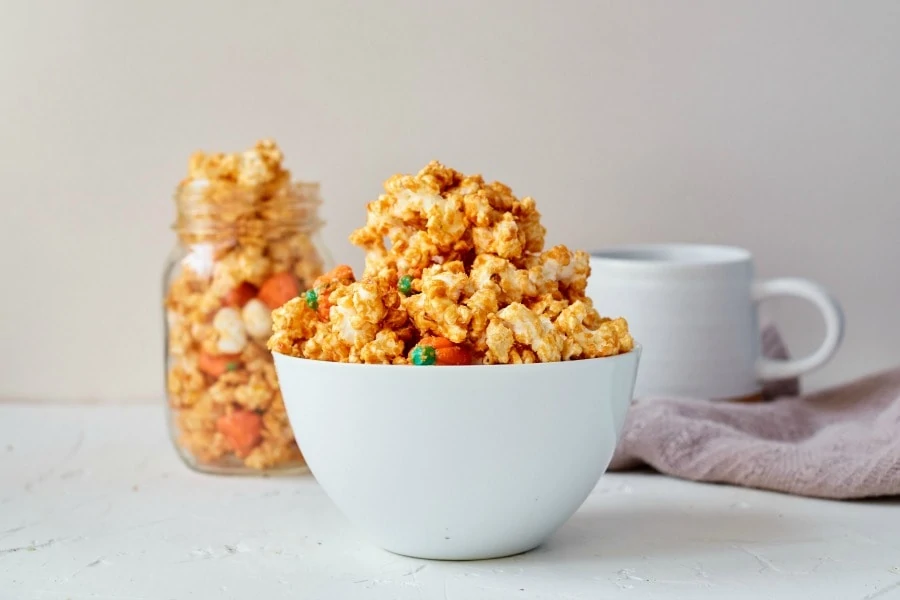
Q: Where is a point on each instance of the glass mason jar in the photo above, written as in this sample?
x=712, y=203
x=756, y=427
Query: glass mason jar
x=239, y=254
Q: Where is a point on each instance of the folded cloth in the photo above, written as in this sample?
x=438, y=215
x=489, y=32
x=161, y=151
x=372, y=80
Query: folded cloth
x=839, y=443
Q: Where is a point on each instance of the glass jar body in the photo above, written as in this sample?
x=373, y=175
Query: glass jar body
x=234, y=262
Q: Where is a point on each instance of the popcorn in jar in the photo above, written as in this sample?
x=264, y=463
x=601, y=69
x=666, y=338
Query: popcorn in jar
x=247, y=243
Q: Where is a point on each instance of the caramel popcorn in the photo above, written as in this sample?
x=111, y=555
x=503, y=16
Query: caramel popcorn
x=245, y=233
x=455, y=273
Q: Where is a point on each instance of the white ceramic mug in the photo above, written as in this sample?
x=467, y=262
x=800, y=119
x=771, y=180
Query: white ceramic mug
x=693, y=308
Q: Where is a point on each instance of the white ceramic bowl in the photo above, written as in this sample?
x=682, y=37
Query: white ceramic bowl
x=458, y=462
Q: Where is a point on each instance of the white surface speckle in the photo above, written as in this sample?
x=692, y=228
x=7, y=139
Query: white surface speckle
x=96, y=506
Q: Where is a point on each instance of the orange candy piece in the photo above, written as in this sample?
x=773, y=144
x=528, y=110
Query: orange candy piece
x=241, y=295
x=217, y=364
x=341, y=274
x=326, y=283
x=242, y=429
x=324, y=309
x=278, y=289
x=446, y=352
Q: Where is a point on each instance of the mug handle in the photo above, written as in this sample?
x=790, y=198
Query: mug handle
x=768, y=369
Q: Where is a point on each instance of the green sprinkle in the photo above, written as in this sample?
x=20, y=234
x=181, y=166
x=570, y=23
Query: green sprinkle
x=423, y=356
x=312, y=299
x=405, y=285
x=232, y=366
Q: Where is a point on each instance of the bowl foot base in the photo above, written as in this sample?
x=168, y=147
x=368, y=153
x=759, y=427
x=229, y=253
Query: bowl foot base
x=464, y=554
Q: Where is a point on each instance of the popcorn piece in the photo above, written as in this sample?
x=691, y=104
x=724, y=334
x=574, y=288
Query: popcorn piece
x=257, y=319
x=437, y=308
x=547, y=305
x=232, y=336
x=323, y=345
x=271, y=377
x=522, y=356
x=611, y=337
x=386, y=348
x=569, y=269
x=185, y=384
x=257, y=394
x=199, y=261
x=240, y=265
x=213, y=166
x=180, y=339
x=545, y=274
x=502, y=239
x=273, y=452
x=514, y=284
x=222, y=391
x=357, y=311
x=500, y=341
x=293, y=324
x=529, y=330
x=206, y=336
x=484, y=303
x=259, y=165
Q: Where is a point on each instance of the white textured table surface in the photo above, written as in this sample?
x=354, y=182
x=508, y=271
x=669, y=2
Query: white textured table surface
x=94, y=504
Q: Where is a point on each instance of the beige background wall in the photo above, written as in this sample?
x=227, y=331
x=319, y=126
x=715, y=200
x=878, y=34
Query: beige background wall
x=774, y=125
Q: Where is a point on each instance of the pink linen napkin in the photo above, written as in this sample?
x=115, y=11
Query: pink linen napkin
x=839, y=443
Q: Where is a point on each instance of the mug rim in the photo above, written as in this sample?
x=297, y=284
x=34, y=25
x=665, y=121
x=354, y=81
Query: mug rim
x=672, y=255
